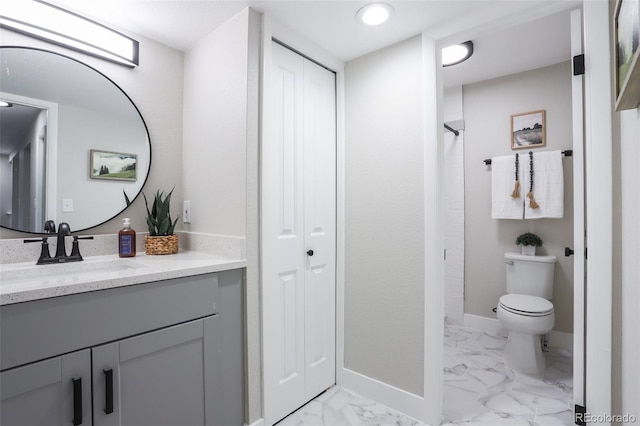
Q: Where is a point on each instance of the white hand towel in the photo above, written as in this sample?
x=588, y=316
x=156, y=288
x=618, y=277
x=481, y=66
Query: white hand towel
x=503, y=206
x=548, y=184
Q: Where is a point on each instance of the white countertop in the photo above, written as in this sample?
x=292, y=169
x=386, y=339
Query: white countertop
x=23, y=282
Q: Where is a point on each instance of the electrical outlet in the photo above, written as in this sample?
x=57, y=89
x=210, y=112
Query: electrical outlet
x=186, y=212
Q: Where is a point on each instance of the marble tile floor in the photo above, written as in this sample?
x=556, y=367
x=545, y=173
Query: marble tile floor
x=478, y=390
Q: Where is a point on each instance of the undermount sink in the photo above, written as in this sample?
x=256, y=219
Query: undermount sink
x=12, y=274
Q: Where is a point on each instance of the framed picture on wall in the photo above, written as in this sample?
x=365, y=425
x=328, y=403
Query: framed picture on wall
x=528, y=130
x=626, y=39
x=113, y=165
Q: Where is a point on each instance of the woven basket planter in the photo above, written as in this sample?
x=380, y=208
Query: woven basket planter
x=161, y=244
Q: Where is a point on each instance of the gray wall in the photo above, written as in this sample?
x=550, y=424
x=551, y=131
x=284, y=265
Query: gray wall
x=384, y=230
x=488, y=106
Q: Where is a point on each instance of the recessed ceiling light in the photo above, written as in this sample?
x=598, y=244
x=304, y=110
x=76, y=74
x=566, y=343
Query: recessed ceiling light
x=5, y=104
x=452, y=55
x=375, y=13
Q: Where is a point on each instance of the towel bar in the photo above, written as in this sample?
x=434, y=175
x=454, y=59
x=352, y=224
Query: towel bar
x=566, y=153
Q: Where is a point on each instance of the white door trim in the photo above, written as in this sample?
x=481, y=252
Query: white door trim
x=577, y=93
x=599, y=205
x=598, y=177
x=434, y=206
x=51, y=210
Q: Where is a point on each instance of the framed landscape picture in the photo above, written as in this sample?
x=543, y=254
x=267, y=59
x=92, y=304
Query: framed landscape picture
x=626, y=38
x=528, y=130
x=113, y=165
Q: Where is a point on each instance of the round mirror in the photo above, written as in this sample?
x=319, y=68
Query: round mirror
x=73, y=146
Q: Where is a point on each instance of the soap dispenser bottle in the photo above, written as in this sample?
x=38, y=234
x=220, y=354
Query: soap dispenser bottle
x=126, y=239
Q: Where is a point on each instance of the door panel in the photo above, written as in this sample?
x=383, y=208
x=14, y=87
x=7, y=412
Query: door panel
x=157, y=378
x=43, y=393
x=320, y=226
x=298, y=232
x=283, y=237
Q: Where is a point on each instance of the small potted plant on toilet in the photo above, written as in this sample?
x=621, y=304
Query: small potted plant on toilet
x=529, y=242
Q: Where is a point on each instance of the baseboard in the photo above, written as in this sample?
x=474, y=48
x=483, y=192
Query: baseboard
x=488, y=325
x=557, y=339
x=395, y=398
x=560, y=339
x=259, y=422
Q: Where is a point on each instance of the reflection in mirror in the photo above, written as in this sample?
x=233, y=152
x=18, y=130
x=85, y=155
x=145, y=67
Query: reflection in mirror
x=23, y=168
x=61, y=112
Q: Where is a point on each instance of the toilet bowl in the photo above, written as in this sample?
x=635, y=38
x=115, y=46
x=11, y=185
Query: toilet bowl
x=526, y=318
x=526, y=310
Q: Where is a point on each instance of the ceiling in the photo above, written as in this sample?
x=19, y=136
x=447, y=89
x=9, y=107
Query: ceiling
x=332, y=25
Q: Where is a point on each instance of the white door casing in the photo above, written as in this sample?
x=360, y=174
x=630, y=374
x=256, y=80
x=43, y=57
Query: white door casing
x=577, y=94
x=298, y=210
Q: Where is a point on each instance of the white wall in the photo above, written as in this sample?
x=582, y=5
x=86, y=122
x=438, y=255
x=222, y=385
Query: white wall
x=215, y=129
x=454, y=207
x=384, y=229
x=155, y=86
x=220, y=164
x=488, y=106
x=626, y=289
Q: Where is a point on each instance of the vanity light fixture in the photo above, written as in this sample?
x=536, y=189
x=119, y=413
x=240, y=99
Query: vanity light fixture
x=45, y=21
x=375, y=13
x=5, y=104
x=457, y=53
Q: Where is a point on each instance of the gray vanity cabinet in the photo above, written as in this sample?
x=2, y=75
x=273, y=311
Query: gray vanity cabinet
x=54, y=392
x=163, y=353
x=168, y=377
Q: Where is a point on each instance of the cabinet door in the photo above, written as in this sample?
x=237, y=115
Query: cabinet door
x=166, y=377
x=48, y=393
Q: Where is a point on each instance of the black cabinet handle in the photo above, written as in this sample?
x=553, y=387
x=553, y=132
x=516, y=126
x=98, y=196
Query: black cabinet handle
x=108, y=388
x=77, y=401
x=310, y=252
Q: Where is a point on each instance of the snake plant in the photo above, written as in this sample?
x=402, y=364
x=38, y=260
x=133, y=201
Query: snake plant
x=159, y=217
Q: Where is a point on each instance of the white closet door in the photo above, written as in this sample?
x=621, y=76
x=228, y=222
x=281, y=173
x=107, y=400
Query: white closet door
x=283, y=254
x=298, y=216
x=320, y=227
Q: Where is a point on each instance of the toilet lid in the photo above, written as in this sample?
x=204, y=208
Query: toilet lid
x=526, y=305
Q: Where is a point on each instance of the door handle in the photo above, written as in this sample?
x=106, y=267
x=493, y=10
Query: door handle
x=310, y=252
x=108, y=388
x=77, y=401
x=568, y=252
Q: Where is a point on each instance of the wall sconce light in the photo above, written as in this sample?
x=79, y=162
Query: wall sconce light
x=56, y=25
x=452, y=55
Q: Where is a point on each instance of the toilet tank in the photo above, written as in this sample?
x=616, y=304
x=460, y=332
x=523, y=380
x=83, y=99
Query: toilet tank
x=530, y=275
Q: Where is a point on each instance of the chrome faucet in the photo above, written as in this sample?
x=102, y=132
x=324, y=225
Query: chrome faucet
x=64, y=230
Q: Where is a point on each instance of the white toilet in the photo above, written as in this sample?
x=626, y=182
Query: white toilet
x=526, y=311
